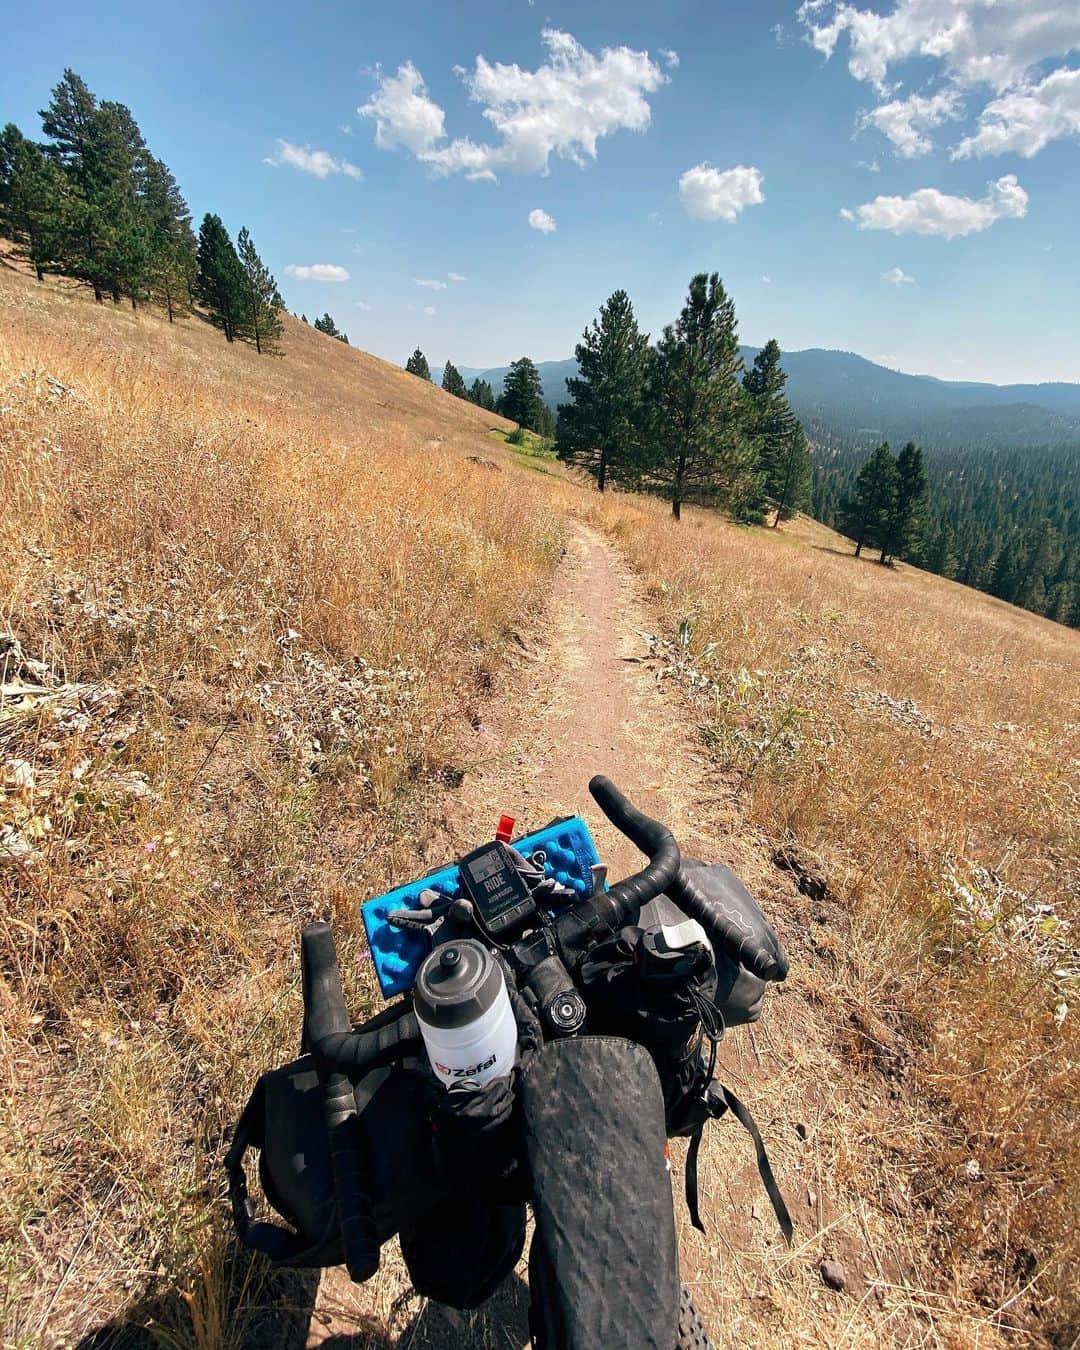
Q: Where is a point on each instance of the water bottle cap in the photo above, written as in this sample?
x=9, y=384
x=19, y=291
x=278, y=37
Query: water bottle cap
x=456, y=984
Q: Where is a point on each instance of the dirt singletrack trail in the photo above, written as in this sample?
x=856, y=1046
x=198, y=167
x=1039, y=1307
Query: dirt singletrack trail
x=578, y=699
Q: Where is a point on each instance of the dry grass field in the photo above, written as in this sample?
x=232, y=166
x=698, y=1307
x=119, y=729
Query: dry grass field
x=250, y=605
x=918, y=745
x=246, y=604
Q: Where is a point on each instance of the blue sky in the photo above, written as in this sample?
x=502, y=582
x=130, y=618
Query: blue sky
x=897, y=179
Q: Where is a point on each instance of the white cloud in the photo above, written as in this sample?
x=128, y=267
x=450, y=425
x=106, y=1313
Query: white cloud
x=404, y=114
x=317, y=272
x=456, y=276
x=670, y=58
x=903, y=121
x=1027, y=118
x=714, y=194
x=896, y=276
x=317, y=162
x=540, y=220
x=994, y=42
x=870, y=165
x=1002, y=44
x=362, y=304
x=431, y=285
x=429, y=310
x=562, y=108
x=767, y=280
x=931, y=212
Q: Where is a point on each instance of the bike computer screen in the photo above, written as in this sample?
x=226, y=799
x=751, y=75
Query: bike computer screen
x=492, y=883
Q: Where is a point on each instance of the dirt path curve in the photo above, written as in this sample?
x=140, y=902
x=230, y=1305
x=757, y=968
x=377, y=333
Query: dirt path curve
x=579, y=699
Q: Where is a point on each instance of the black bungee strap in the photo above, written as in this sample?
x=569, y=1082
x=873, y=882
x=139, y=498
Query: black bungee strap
x=718, y=1100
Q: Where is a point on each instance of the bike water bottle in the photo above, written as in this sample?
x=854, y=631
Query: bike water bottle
x=464, y=1015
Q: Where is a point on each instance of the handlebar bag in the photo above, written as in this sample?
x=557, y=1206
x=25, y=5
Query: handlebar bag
x=603, y=1267
x=739, y=992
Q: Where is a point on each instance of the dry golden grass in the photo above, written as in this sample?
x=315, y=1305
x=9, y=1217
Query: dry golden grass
x=265, y=596
x=249, y=602
x=909, y=732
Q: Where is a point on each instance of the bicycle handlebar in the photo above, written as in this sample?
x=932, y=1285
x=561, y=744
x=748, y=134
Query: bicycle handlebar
x=336, y=1049
x=589, y=921
x=655, y=840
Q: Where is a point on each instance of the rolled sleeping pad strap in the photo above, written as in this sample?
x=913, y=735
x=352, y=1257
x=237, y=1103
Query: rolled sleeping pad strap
x=326, y=1022
x=729, y=928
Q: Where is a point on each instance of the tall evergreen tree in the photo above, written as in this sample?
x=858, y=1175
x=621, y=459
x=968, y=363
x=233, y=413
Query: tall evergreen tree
x=864, y=515
x=601, y=427
x=260, y=295
x=127, y=239
x=1041, y=558
x=783, y=458
x=482, y=394
x=73, y=122
x=33, y=199
x=220, y=283
x=939, y=554
x=789, y=485
x=452, y=381
x=172, y=246
x=522, y=398
x=417, y=365
x=698, y=448
x=905, y=524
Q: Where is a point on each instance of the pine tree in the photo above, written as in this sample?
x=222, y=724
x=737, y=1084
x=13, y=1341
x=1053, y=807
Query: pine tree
x=905, y=523
x=1007, y=573
x=601, y=427
x=783, y=457
x=126, y=252
x=33, y=199
x=790, y=489
x=260, y=294
x=417, y=365
x=864, y=516
x=452, y=381
x=698, y=449
x=221, y=284
x=73, y=122
x=522, y=398
x=939, y=554
x=173, y=250
x=482, y=394
x=1042, y=556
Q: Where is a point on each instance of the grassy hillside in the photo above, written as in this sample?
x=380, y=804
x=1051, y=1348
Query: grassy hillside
x=250, y=606
x=917, y=745
x=247, y=605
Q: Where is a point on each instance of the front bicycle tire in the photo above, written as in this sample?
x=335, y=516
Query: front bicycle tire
x=692, y=1334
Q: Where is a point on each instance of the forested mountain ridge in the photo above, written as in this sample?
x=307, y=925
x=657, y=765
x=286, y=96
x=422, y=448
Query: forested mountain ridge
x=841, y=394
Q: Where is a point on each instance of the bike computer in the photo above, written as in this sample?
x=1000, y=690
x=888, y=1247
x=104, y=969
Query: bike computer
x=493, y=884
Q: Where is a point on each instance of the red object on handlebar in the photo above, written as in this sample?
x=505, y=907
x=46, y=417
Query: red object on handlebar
x=505, y=831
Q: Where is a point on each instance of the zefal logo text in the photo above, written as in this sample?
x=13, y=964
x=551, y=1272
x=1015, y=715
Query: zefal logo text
x=470, y=1072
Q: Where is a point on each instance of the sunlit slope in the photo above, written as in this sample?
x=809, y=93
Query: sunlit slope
x=248, y=608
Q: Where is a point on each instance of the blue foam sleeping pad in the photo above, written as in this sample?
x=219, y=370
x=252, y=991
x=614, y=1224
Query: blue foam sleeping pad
x=398, y=952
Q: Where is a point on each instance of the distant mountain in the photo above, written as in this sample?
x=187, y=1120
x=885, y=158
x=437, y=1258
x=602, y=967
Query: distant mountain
x=848, y=396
